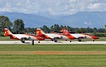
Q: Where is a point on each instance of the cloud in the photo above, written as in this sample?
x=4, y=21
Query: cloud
x=54, y=7
x=88, y=23
x=97, y=7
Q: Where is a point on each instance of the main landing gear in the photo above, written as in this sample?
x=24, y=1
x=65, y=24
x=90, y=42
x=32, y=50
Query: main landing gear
x=22, y=40
x=33, y=42
x=93, y=40
x=54, y=40
x=79, y=39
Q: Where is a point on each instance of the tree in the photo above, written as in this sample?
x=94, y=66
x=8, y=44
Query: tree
x=105, y=29
x=5, y=23
x=52, y=29
x=101, y=30
x=77, y=30
x=18, y=26
x=89, y=30
x=46, y=29
x=61, y=27
x=30, y=30
x=69, y=28
x=82, y=30
x=95, y=31
x=56, y=27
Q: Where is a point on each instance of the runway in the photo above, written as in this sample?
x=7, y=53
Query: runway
x=51, y=42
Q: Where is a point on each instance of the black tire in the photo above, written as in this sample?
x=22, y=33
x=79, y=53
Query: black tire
x=70, y=41
x=51, y=39
x=22, y=40
x=66, y=39
x=38, y=41
x=79, y=39
x=55, y=40
x=93, y=40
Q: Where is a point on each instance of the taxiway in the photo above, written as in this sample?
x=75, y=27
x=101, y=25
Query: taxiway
x=51, y=42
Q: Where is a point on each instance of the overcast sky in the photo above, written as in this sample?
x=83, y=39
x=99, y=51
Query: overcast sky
x=54, y=7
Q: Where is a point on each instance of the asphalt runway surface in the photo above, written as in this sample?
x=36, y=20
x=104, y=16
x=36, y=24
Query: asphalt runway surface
x=51, y=42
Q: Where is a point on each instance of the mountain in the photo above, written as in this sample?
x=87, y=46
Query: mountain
x=86, y=19
x=31, y=20
x=80, y=19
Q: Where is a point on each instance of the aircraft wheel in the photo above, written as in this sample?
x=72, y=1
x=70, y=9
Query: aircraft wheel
x=93, y=40
x=38, y=41
x=55, y=40
x=22, y=40
x=79, y=39
x=70, y=40
x=51, y=39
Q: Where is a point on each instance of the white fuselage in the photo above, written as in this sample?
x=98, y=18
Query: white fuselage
x=19, y=36
x=53, y=35
x=78, y=35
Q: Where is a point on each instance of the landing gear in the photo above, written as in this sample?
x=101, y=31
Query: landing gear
x=38, y=41
x=32, y=42
x=93, y=40
x=79, y=39
x=55, y=40
x=22, y=40
x=66, y=39
x=70, y=40
x=51, y=39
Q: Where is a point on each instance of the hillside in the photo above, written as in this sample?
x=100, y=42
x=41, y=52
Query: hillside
x=80, y=19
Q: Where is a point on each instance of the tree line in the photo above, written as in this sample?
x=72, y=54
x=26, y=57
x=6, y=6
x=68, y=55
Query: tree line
x=18, y=27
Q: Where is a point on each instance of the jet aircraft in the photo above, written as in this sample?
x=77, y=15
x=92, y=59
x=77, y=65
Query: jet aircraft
x=22, y=37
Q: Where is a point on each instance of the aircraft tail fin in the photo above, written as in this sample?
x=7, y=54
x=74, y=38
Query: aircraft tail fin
x=39, y=32
x=65, y=31
x=7, y=32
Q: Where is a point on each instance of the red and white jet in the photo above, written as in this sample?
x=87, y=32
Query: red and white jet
x=51, y=36
x=67, y=35
x=22, y=37
x=90, y=36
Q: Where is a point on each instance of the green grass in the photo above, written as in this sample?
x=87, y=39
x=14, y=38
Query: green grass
x=86, y=60
x=51, y=47
x=52, y=60
x=5, y=39
x=100, y=39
